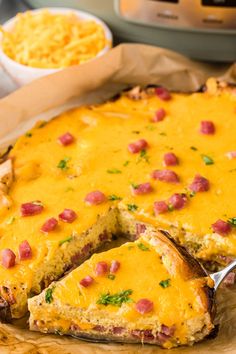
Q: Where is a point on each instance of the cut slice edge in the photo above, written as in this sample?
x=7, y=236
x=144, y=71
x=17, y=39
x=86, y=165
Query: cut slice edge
x=158, y=294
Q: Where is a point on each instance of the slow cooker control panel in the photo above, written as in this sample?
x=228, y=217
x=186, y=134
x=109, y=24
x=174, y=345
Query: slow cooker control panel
x=197, y=14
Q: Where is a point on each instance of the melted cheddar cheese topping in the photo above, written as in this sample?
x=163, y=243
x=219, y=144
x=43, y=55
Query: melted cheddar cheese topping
x=99, y=159
x=145, y=272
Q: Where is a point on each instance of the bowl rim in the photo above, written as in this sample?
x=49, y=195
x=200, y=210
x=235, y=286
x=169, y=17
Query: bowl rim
x=63, y=10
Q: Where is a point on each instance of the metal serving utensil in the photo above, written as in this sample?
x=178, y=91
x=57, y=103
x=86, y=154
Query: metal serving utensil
x=218, y=277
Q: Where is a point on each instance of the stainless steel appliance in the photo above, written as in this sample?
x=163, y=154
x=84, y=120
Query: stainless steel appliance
x=201, y=29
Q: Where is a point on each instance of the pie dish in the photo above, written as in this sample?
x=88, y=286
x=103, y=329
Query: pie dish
x=145, y=161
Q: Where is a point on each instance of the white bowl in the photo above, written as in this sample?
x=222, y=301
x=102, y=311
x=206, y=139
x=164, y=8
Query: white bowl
x=23, y=74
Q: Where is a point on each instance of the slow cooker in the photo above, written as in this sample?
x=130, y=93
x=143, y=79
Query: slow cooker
x=200, y=29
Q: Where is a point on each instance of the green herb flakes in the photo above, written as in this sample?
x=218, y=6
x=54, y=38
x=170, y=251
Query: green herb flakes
x=165, y=283
x=142, y=247
x=150, y=127
x=134, y=185
x=132, y=207
x=68, y=239
x=114, y=171
x=192, y=194
x=48, y=295
x=28, y=135
x=136, y=132
x=170, y=207
x=162, y=134
x=193, y=148
x=126, y=163
x=10, y=220
x=111, y=276
x=70, y=189
x=114, y=197
x=41, y=125
x=63, y=164
x=143, y=156
x=232, y=221
x=207, y=160
x=116, y=299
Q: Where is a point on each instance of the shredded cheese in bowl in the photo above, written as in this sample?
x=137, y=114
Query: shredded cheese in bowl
x=47, y=40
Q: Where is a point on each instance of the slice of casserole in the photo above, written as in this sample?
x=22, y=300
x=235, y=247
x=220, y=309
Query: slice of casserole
x=148, y=160
x=145, y=291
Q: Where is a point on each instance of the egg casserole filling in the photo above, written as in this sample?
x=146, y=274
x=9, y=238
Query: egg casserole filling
x=148, y=160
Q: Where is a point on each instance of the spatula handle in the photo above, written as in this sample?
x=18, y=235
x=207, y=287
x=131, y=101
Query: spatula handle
x=220, y=276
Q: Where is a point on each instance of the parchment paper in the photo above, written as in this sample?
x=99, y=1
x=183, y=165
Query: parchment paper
x=96, y=81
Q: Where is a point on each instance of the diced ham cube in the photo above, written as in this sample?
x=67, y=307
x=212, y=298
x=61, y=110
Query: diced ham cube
x=159, y=115
x=160, y=207
x=170, y=159
x=168, y=331
x=140, y=229
x=95, y=198
x=162, y=338
x=221, y=227
x=178, y=201
x=231, y=155
x=118, y=330
x=229, y=279
x=199, y=184
x=66, y=139
x=163, y=93
x=68, y=215
x=115, y=265
x=99, y=328
x=165, y=176
x=49, y=225
x=101, y=268
x=87, y=281
x=207, y=127
x=144, y=306
x=8, y=258
x=137, y=146
x=25, y=251
x=32, y=208
x=143, y=188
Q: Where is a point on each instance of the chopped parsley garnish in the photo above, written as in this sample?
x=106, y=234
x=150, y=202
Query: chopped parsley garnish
x=63, y=164
x=10, y=220
x=150, y=127
x=193, y=148
x=70, y=189
x=207, y=160
x=111, y=276
x=116, y=299
x=232, y=221
x=114, y=171
x=134, y=185
x=48, y=295
x=136, y=132
x=142, y=247
x=113, y=197
x=132, y=207
x=163, y=134
x=170, y=207
x=143, y=156
x=28, y=134
x=192, y=194
x=165, y=283
x=41, y=125
x=126, y=163
x=68, y=239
